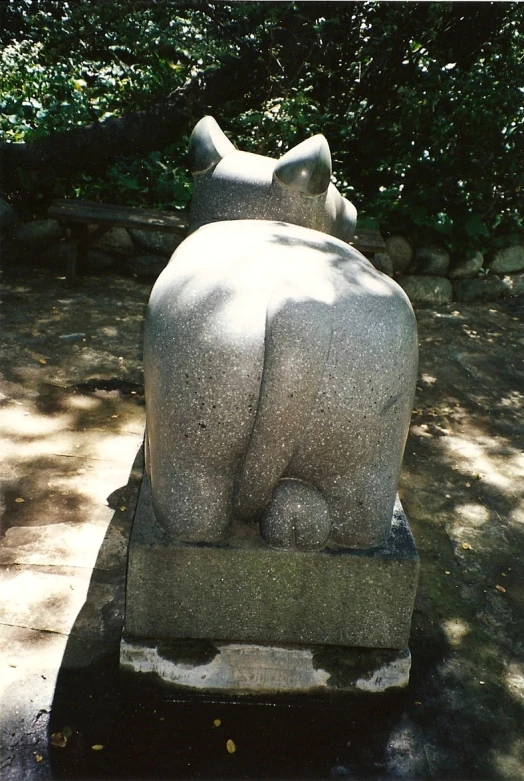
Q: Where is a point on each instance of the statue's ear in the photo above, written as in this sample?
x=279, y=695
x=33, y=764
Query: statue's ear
x=307, y=167
x=207, y=146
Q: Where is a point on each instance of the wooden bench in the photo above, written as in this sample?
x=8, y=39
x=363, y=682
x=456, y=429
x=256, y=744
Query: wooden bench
x=76, y=216
x=368, y=241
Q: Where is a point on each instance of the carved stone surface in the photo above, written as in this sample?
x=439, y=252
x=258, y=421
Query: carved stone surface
x=275, y=352
x=241, y=590
x=255, y=669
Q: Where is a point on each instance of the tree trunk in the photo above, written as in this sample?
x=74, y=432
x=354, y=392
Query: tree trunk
x=25, y=168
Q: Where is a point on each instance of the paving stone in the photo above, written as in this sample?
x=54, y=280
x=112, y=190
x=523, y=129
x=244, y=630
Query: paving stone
x=29, y=664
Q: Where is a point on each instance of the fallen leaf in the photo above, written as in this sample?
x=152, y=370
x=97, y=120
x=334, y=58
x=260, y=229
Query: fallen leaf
x=217, y=723
x=501, y=588
x=482, y=683
x=466, y=546
x=38, y=757
x=97, y=747
x=58, y=739
x=230, y=745
x=468, y=485
x=42, y=361
x=122, y=509
x=19, y=500
x=447, y=572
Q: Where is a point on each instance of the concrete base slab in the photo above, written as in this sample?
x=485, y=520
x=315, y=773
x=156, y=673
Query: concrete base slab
x=241, y=668
x=243, y=591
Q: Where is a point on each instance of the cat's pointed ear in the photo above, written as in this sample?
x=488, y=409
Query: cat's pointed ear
x=307, y=167
x=207, y=146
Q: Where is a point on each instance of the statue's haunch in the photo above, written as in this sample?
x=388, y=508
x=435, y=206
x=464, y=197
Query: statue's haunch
x=280, y=366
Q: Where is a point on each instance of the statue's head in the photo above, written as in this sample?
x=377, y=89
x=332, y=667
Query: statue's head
x=233, y=185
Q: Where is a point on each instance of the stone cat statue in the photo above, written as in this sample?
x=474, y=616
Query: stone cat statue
x=280, y=366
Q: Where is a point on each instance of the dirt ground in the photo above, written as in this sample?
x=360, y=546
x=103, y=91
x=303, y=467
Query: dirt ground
x=71, y=416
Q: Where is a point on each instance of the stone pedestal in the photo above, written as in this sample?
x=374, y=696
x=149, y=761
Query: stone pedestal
x=205, y=667
x=252, y=603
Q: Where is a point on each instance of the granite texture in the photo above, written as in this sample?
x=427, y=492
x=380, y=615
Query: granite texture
x=279, y=364
x=274, y=352
x=243, y=591
x=239, y=668
x=233, y=185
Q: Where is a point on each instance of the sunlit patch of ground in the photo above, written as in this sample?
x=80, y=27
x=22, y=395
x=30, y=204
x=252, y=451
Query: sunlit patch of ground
x=71, y=417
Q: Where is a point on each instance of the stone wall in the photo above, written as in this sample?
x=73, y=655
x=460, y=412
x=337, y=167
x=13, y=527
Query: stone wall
x=427, y=273
x=44, y=242
x=430, y=276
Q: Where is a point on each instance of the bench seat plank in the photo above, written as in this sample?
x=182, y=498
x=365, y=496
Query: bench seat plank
x=118, y=216
x=368, y=241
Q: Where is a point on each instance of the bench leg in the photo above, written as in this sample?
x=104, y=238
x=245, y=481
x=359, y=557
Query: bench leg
x=77, y=252
x=71, y=263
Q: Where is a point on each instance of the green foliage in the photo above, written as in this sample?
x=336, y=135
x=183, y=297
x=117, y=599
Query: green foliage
x=422, y=103
x=38, y=99
x=156, y=181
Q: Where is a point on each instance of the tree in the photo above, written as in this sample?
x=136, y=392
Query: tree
x=421, y=102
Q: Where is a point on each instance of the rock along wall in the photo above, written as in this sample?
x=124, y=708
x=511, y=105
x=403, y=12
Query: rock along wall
x=430, y=276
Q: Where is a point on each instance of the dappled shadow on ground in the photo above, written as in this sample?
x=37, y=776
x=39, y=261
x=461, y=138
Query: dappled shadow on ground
x=463, y=490
x=65, y=436
x=461, y=714
x=68, y=359
x=142, y=730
